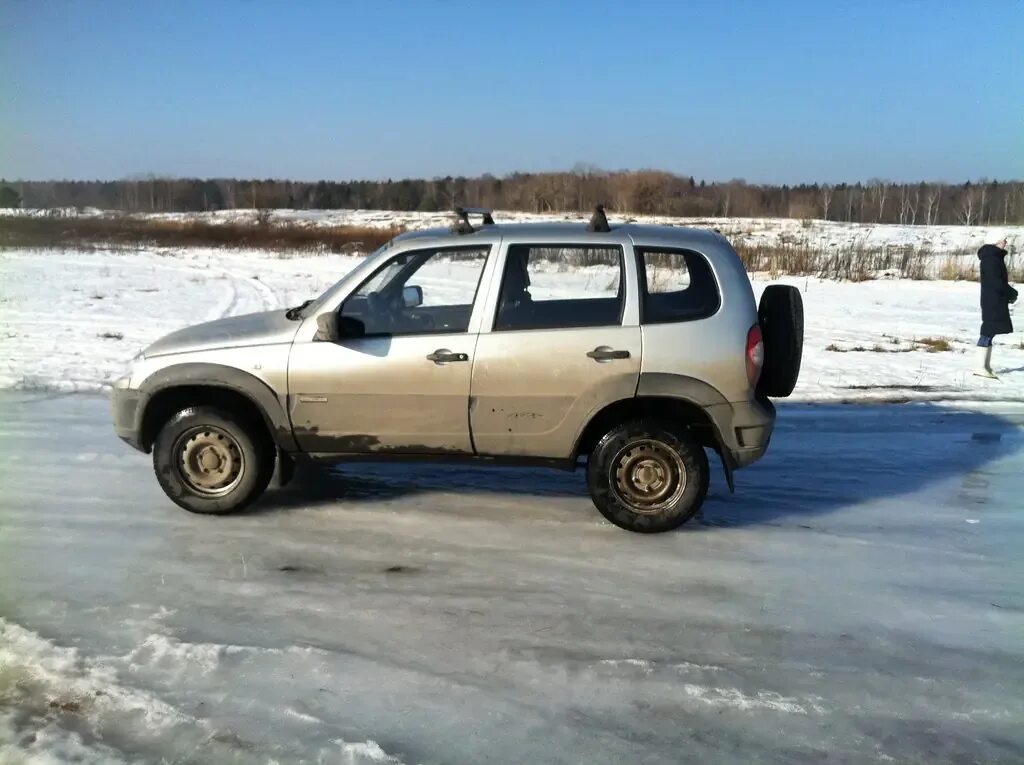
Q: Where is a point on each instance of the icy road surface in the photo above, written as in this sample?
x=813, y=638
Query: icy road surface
x=858, y=600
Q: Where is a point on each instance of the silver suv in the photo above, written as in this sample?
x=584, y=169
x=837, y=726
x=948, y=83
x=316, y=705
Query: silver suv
x=634, y=348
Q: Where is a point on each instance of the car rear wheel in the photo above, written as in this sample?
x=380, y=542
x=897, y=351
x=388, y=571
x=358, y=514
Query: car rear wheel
x=209, y=461
x=646, y=477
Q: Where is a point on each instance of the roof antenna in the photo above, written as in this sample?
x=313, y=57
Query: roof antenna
x=599, y=221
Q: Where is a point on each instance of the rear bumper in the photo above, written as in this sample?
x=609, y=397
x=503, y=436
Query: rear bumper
x=124, y=404
x=744, y=429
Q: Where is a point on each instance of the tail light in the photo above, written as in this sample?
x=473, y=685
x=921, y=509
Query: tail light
x=754, y=355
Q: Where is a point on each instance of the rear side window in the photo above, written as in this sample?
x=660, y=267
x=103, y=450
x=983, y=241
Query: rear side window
x=679, y=285
x=560, y=287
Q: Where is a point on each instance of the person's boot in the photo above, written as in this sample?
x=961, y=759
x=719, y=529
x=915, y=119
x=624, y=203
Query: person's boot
x=983, y=367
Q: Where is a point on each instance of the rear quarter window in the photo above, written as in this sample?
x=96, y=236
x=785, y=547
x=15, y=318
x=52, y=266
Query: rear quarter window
x=678, y=285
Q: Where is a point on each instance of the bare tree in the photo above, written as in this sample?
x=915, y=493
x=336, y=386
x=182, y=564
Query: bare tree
x=967, y=211
x=826, y=199
x=932, y=201
x=850, y=193
x=909, y=203
x=644, y=191
x=881, y=190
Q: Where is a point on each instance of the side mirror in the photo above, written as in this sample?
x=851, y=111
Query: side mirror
x=350, y=328
x=333, y=327
x=327, y=330
x=412, y=296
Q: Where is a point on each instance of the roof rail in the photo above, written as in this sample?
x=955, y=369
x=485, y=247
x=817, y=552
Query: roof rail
x=462, y=224
x=599, y=221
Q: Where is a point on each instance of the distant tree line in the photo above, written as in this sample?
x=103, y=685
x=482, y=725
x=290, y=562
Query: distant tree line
x=624, y=192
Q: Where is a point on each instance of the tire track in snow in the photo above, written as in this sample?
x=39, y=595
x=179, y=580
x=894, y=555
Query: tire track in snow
x=203, y=272
x=93, y=342
x=228, y=308
x=265, y=298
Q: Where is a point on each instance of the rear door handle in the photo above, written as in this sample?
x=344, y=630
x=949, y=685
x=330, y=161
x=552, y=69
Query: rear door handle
x=605, y=353
x=443, y=356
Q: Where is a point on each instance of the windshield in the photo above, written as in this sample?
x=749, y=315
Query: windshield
x=313, y=306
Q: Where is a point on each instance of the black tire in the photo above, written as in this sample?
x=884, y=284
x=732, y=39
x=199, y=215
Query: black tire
x=194, y=434
x=627, y=449
x=781, y=316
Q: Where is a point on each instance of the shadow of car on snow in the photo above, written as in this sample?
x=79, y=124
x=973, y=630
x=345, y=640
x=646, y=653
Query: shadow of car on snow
x=822, y=458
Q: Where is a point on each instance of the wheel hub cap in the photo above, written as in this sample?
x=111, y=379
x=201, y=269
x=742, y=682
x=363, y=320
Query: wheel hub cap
x=210, y=460
x=648, y=476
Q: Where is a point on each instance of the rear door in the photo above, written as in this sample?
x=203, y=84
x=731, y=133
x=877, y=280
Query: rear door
x=403, y=385
x=685, y=331
x=560, y=342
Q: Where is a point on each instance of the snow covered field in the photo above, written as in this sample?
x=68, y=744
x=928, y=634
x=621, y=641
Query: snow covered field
x=71, y=321
x=812, y=233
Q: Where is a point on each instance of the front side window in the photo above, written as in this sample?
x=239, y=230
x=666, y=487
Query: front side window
x=557, y=287
x=418, y=293
x=679, y=285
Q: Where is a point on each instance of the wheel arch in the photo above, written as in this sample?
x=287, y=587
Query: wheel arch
x=176, y=387
x=677, y=410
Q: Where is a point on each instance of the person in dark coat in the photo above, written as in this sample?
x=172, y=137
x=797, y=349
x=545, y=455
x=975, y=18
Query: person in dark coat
x=996, y=297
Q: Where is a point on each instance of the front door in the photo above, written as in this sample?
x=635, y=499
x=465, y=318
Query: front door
x=565, y=342
x=400, y=384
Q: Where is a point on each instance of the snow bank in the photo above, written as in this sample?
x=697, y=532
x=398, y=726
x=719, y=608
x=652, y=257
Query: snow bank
x=44, y=687
x=57, y=706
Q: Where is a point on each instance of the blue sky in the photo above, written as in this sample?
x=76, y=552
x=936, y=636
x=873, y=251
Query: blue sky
x=766, y=91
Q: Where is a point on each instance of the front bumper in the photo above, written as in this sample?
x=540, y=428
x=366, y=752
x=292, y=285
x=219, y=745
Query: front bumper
x=745, y=429
x=124, y=404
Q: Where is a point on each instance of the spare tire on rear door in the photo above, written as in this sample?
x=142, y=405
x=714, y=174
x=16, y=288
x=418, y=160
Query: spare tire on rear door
x=781, y=316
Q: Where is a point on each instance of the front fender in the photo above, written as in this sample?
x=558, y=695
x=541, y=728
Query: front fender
x=271, y=405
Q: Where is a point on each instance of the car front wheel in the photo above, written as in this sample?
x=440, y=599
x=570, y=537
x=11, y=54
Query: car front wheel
x=209, y=461
x=646, y=477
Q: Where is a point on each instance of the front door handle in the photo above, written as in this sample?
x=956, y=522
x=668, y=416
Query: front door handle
x=443, y=356
x=604, y=353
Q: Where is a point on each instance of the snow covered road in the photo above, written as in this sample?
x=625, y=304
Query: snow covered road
x=858, y=600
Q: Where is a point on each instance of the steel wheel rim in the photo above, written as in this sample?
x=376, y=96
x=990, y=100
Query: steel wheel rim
x=648, y=476
x=209, y=460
